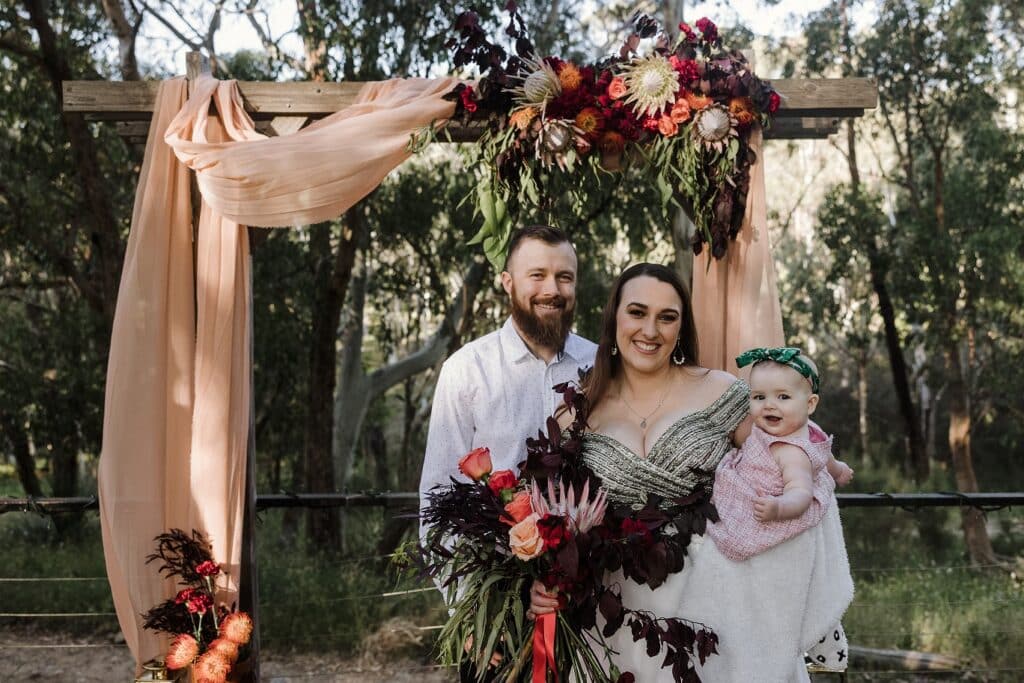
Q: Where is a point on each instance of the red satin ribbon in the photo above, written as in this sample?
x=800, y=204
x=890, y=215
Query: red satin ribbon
x=544, y=647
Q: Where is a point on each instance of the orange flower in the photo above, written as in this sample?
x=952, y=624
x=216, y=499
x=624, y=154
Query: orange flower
x=227, y=649
x=212, y=667
x=590, y=121
x=680, y=111
x=612, y=143
x=525, y=539
x=521, y=118
x=236, y=627
x=569, y=76
x=743, y=109
x=617, y=88
x=698, y=102
x=182, y=651
x=476, y=464
x=666, y=126
x=519, y=508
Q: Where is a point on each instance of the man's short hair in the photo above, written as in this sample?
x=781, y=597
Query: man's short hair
x=544, y=233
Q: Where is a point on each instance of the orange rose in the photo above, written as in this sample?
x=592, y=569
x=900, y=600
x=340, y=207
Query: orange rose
x=667, y=127
x=476, y=464
x=680, y=111
x=525, y=540
x=519, y=508
x=698, y=102
x=743, y=109
x=617, y=88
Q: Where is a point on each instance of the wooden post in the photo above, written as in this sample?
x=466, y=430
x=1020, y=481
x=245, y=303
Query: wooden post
x=196, y=64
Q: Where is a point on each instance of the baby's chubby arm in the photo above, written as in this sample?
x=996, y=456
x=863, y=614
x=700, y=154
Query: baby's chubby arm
x=798, y=483
x=840, y=471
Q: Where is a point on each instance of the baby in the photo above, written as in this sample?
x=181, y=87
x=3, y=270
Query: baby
x=781, y=482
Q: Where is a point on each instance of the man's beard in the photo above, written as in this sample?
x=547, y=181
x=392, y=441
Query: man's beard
x=549, y=331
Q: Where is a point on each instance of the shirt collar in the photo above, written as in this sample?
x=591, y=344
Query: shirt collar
x=519, y=351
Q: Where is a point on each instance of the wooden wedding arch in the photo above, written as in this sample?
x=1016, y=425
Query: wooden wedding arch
x=811, y=109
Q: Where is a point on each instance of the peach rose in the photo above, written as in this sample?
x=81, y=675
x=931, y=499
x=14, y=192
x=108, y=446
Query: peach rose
x=476, y=464
x=617, y=88
x=519, y=508
x=524, y=538
x=667, y=127
x=680, y=111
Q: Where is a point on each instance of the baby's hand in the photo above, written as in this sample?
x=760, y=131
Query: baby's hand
x=843, y=473
x=766, y=508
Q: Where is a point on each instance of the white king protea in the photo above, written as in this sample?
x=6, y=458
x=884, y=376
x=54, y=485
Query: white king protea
x=539, y=86
x=713, y=126
x=651, y=84
x=582, y=515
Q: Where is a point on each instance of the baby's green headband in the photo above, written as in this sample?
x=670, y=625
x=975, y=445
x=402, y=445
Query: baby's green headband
x=785, y=355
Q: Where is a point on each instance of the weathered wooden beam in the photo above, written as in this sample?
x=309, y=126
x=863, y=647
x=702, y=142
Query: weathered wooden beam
x=133, y=100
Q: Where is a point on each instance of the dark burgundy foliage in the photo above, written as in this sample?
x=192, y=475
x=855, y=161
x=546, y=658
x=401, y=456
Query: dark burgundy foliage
x=646, y=544
x=180, y=553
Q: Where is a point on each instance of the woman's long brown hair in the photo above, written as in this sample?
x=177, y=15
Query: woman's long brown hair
x=606, y=366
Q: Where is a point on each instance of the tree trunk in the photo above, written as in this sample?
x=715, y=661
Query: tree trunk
x=23, y=460
x=862, y=405
x=99, y=281
x=332, y=272
x=972, y=521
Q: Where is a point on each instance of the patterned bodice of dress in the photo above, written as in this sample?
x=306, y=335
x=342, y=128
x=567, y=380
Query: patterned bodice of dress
x=680, y=461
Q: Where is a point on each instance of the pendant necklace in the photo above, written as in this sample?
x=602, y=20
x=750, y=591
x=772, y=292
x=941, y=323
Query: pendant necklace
x=644, y=418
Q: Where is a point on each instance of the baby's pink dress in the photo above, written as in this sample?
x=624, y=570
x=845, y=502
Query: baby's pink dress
x=751, y=467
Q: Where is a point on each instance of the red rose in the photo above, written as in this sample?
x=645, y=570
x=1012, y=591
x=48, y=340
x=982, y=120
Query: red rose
x=476, y=464
x=208, y=568
x=553, y=530
x=634, y=527
x=773, y=102
x=502, y=480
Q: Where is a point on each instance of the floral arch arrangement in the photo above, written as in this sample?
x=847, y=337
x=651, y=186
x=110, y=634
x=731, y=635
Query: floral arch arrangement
x=682, y=113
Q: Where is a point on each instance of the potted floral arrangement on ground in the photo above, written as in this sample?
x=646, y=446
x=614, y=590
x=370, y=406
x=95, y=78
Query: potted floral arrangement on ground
x=209, y=638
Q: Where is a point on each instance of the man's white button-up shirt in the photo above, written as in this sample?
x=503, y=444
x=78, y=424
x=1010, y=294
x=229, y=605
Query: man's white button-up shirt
x=494, y=392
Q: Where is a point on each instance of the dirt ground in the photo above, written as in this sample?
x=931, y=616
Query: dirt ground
x=30, y=657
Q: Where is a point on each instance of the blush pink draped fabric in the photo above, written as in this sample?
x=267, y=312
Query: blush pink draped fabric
x=736, y=301
x=176, y=415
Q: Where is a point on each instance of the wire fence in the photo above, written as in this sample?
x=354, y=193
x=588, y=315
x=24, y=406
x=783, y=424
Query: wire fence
x=883, y=612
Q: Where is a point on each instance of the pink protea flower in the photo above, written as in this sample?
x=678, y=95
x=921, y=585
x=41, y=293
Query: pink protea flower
x=582, y=516
x=182, y=651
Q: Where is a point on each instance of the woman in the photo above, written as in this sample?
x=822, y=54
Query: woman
x=659, y=423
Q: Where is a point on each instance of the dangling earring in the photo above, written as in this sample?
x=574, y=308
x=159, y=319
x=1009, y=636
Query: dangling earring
x=677, y=354
x=615, y=350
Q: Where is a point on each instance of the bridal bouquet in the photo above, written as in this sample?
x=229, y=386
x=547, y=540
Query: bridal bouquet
x=489, y=539
x=681, y=109
x=207, y=637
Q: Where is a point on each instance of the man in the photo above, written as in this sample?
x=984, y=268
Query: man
x=497, y=390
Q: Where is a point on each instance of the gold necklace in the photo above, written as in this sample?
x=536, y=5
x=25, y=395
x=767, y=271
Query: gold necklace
x=643, y=418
